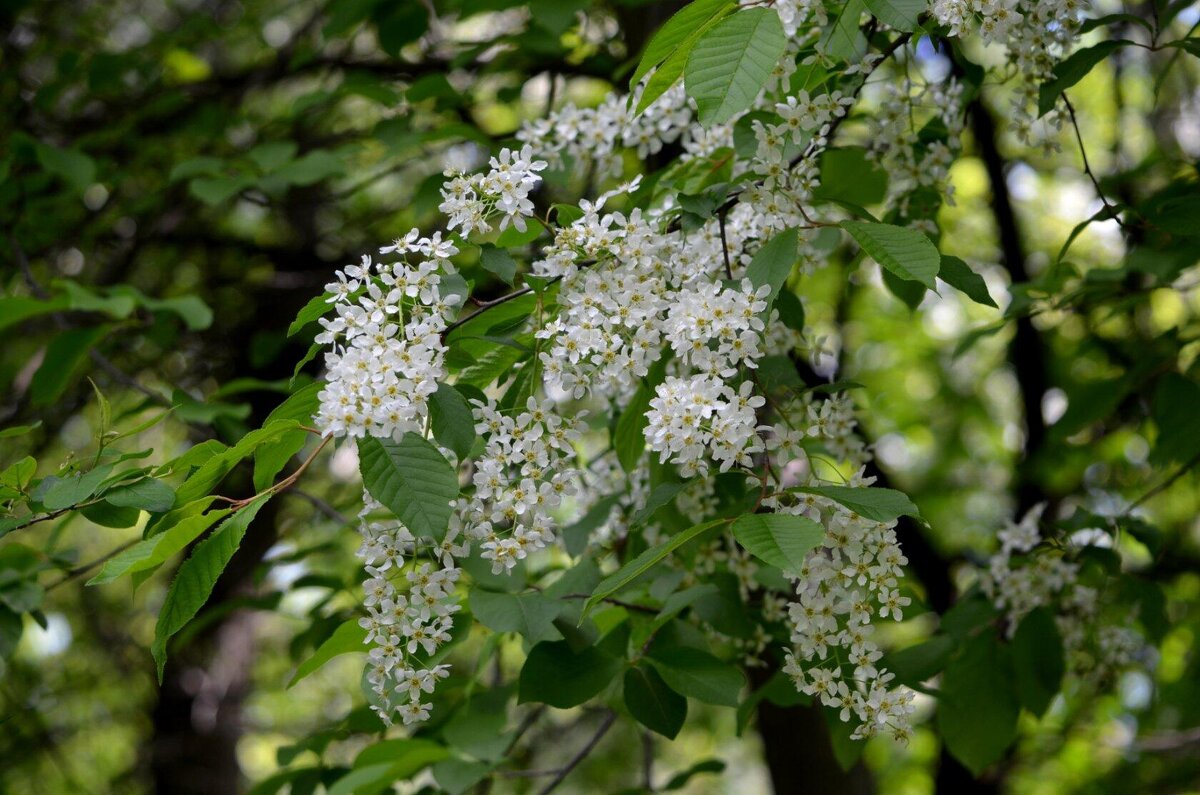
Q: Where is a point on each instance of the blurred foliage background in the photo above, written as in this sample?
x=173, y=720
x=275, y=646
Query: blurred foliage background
x=179, y=178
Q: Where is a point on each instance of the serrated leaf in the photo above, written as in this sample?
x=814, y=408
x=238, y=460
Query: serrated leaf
x=977, y=707
x=732, y=62
x=644, y=562
x=899, y=14
x=348, y=638
x=844, y=39
x=451, y=420
x=63, y=357
x=157, y=549
x=498, y=261
x=271, y=457
x=698, y=674
x=1070, y=71
x=661, y=495
x=528, y=614
x=73, y=489
x=628, y=437
x=653, y=703
x=317, y=306
x=1037, y=654
x=147, y=494
x=921, y=662
x=412, y=480
x=1175, y=400
x=671, y=69
x=675, y=31
x=554, y=674
x=906, y=253
x=959, y=275
x=773, y=263
x=782, y=540
x=876, y=504
x=199, y=573
x=217, y=466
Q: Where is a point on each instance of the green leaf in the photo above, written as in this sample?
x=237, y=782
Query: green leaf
x=411, y=479
x=311, y=168
x=847, y=175
x=271, y=457
x=71, y=165
x=978, y=708
x=879, y=505
x=498, y=261
x=513, y=237
x=529, y=614
x=63, y=357
x=921, y=662
x=904, y=252
x=1037, y=654
x=698, y=674
x=655, y=705
x=378, y=766
x=271, y=155
x=196, y=167
x=844, y=40
x=15, y=310
x=773, y=263
x=576, y=536
x=157, y=549
x=1069, y=72
x=644, y=562
x=348, y=638
x=451, y=419
x=676, y=31
x=629, y=435
x=782, y=540
x=217, y=466
x=147, y=494
x=732, y=62
x=663, y=494
x=75, y=488
x=216, y=190
x=194, y=583
x=317, y=307
x=671, y=69
x=959, y=275
x=899, y=14
x=1175, y=413
x=680, y=779
x=554, y=674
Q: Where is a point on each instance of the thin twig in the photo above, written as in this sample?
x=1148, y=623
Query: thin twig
x=725, y=245
x=565, y=771
x=79, y=571
x=1087, y=168
x=322, y=506
x=612, y=601
x=1166, y=484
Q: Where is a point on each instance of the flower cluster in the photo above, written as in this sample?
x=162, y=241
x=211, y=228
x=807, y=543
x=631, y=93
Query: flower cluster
x=1025, y=574
x=843, y=585
x=407, y=624
x=596, y=135
x=1036, y=35
x=385, y=340
x=901, y=140
x=471, y=199
x=522, y=475
x=693, y=419
x=714, y=329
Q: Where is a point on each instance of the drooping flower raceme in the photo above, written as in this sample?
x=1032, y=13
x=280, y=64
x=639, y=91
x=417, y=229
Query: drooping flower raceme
x=658, y=290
